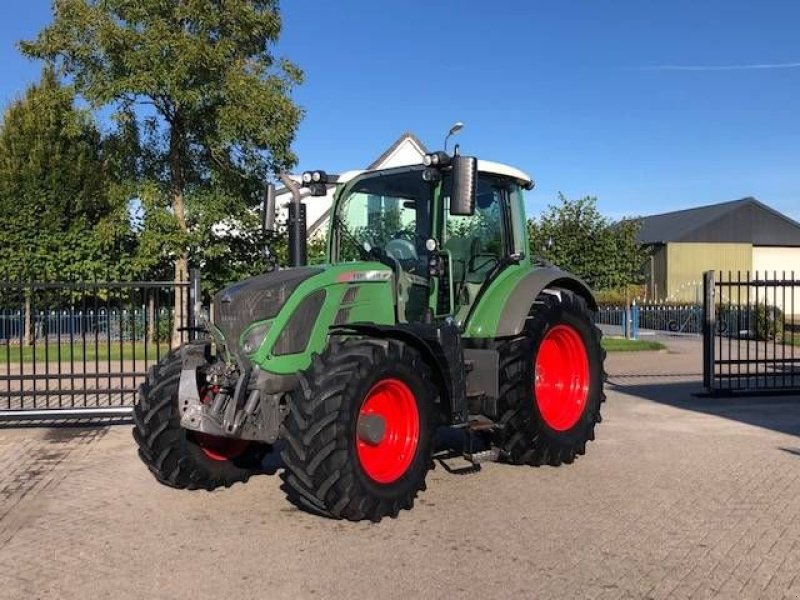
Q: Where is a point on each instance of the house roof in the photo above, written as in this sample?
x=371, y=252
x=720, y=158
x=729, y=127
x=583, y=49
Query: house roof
x=391, y=149
x=740, y=221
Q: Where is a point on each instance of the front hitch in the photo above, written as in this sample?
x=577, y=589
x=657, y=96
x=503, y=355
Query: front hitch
x=230, y=406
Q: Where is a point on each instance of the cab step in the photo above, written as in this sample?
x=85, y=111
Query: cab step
x=476, y=458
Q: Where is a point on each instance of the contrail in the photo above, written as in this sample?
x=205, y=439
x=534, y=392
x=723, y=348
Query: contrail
x=756, y=67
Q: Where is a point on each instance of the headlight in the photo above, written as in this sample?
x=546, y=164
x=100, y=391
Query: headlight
x=254, y=337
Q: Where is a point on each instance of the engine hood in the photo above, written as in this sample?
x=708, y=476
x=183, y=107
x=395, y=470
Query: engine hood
x=256, y=299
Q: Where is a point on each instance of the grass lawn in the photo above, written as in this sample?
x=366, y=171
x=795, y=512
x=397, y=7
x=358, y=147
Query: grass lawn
x=792, y=340
x=623, y=345
x=126, y=351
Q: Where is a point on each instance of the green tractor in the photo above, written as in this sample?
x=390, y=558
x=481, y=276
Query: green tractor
x=430, y=313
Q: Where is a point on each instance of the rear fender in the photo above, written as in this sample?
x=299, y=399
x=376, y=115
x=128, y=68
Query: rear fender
x=501, y=310
x=516, y=308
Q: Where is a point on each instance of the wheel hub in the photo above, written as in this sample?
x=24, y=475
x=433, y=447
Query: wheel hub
x=561, y=377
x=371, y=428
x=387, y=430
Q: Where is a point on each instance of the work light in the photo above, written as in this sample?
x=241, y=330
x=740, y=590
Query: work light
x=436, y=159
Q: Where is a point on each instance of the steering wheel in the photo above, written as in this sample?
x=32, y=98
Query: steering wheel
x=401, y=249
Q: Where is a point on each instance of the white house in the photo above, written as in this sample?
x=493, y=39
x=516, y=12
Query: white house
x=407, y=150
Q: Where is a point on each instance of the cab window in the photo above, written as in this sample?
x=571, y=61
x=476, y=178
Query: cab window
x=478, y=243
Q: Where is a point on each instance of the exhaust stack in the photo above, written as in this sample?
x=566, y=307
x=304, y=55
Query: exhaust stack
x=298, y=244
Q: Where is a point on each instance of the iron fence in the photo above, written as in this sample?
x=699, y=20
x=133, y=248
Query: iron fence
x=127, y=324
x=751, y=332
x=81, y=349
x=679, y=319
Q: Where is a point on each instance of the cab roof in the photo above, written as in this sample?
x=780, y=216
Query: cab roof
x=484, y=166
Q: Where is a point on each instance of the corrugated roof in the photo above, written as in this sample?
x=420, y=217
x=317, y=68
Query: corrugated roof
x=740, y=221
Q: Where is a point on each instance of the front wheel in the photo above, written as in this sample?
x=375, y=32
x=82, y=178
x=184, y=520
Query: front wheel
x=180, y=458
x=551, y=383
x=359, y=430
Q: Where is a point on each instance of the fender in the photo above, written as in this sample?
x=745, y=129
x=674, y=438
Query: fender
x=440, y=345
x=518, y=305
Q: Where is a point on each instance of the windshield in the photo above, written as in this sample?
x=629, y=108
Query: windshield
x=386, y=215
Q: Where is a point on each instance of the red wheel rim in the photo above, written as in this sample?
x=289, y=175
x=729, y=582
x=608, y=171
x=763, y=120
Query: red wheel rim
x=561, y=377
x=220, y=448
x=215, y=447
x=387, y=459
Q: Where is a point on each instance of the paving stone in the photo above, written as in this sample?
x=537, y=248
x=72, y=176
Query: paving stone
x=679, y=497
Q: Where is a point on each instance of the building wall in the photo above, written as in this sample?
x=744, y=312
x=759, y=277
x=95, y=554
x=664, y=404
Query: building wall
x=686, y=263
x=777, y=262
x=656, y=273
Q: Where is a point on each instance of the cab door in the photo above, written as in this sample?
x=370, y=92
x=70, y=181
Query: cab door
x=478, y=246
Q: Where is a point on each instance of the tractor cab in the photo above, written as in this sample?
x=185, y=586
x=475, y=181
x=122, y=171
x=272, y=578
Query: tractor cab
x=444, y=245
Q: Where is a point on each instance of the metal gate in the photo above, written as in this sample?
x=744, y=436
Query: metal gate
x=81, y=349
x=751, y=332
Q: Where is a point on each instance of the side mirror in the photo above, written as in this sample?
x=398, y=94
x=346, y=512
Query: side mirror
x=465, y=186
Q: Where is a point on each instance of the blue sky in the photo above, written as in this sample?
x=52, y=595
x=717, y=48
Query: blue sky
x=651, y=106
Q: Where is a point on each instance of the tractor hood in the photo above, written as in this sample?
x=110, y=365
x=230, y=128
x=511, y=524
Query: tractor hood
x=256, y=299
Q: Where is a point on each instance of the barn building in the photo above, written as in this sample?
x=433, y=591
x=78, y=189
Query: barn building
x=739, y=236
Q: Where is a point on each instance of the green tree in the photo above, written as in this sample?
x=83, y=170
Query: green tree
x=212, y=102
x=575, y=236
x=59, y=219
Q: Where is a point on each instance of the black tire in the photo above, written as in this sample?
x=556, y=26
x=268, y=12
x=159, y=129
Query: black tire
x=323, y=471
x=171, y=452
x=525, y=436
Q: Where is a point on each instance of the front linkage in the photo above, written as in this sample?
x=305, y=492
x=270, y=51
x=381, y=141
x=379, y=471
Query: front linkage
x=235, y=404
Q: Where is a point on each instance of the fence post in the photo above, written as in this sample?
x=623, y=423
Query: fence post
x=194, y=298
x=27, y=318
x=626, y=321
x=709, y=326
x=635, y=320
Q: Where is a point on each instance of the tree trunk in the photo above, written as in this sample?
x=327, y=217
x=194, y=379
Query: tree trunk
x=177, y=156
x=180, y=316
x=28, y=339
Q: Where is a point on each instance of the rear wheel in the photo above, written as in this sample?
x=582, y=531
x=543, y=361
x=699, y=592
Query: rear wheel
x=180, y=458
x=551, y=383
x=359, y=430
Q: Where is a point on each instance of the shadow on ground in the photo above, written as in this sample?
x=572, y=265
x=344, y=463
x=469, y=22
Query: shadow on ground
x=779, y=413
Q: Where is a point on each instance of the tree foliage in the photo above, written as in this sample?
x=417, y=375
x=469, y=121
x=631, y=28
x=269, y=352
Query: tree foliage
x=573, y=235
x=211, y=104
x=59, y=218
x=212, y=110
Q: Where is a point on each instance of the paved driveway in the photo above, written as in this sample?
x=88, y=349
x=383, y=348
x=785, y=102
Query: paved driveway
x=678, y=497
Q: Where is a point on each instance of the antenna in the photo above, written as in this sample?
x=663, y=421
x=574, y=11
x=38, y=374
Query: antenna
x=457, y=126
